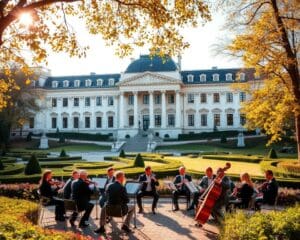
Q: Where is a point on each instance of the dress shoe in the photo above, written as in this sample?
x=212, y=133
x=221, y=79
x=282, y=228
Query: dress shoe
x=72, y=223
x=126, y=229
x=84, y=225
x=141, y=210
x=100, y=230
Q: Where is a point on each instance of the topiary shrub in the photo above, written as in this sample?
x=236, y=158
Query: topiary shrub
x=223, y=139
x=63, y=153
x=272, y=154
x=33, y=166
x=62, y=138
x=1, y=165
x=122, y=154
x=139, y=161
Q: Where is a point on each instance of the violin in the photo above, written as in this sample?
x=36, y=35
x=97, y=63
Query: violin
x=54, y=182
x=89, y=181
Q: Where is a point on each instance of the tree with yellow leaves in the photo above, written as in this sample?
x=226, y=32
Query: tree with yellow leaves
x=267, y=39
x=36, y=26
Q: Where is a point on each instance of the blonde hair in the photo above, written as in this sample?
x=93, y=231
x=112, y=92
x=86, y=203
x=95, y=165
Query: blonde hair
x=245, y=177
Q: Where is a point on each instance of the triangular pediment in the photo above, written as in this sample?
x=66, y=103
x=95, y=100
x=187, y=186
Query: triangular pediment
x=149, y=78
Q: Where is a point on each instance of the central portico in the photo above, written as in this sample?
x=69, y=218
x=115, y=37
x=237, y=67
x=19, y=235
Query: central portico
x=150, y=101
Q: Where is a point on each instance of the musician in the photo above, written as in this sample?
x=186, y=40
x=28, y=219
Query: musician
x=81, y=193
x=207, y=179
x=117, y=198
x=67, y=187
x=222, y=201
x=269, y=189
x=149, y=183
x=182, y=189
x=48, y=188
x=110, y=179
x=245, y=191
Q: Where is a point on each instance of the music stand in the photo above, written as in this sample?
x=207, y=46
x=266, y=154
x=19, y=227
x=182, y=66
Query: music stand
x=132, y=188
x=100, y=184
x=192, y=188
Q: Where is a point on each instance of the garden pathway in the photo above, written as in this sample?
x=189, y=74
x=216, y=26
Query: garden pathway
x=165, y=225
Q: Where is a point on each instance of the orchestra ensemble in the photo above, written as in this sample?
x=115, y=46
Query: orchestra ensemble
x=215, y=194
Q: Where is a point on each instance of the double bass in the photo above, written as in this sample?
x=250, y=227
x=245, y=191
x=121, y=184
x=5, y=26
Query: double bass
x=211, y=195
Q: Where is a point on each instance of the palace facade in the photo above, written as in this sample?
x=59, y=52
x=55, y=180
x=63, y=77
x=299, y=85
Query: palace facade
x=152, y=94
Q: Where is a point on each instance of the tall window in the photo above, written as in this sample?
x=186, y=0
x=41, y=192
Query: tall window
x=87, y=122
x=157, y=99
x=191, y=120
x=171, y=98
x=66, y=83
x=76, y=102
x=190, y=78
x=157, y=120
x=76, y=122
x=54, y=122
x=87, y=101
x=54, y=84
x=110, y=121
x=65, y=122
x=216, y=97
x=65, y=102
x=130, y=99
x=110, y=101
x=202, y=78
x=77, y=83
x=190, y=98
x=229, y=119
x=171, y=120
x=88, y=82
x=31, y=122
x=229, y=97
x=229, y=77
x=242, y=96
x=242, y=119
x=54, y=102
x=215, y=77
x=203, y=120
x=111, y=82
x=99, y=82
x=145, y=99
x=203, y=98
x=130, y=120
x=217, y=120
x=242, y=76
x=98, y=122
x=98, y=101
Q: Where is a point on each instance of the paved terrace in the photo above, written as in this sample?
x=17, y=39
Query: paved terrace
x=165, y=225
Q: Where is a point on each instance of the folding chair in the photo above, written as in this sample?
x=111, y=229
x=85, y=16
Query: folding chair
x=43, y=203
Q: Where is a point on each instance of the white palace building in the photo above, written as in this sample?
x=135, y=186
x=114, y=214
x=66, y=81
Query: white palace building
x=152, y=94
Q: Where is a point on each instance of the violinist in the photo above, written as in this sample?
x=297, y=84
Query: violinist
x=110, y=179
x=48, y=188
x=149, y=183
x=81, y=194
x=67, y=186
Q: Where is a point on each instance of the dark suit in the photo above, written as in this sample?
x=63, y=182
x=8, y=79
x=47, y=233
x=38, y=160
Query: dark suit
x=103, y=197
x=204, y=182
x=181, y=190
x=270, y=192
x=67, y=188
x=116, y=204
x=81, y=194
x=245, y=193
x=147, y=192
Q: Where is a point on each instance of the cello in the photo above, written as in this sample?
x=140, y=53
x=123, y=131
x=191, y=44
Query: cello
x=211, y=195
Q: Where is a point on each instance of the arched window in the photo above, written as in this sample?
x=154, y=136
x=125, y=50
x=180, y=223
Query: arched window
x=202, y=78
x=99, y=82
x=111, y=82
x=66, y=83
x=242, y=76
x=77, y=83
x=190, y=78
x=88, y=82
x=54, y=84
x=228, y=76
x=215, y=77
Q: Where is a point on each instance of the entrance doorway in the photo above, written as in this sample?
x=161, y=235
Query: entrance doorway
x=146, y=122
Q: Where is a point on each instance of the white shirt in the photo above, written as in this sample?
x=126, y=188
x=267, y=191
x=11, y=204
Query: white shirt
x=148, y=188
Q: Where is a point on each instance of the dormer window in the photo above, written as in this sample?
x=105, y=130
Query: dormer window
x=215, y=77
x=202, y=78
x=190, y=78
x=66, y=83
x=242, y=76
x=229, y=77
x=111, y=82
x=77, y=83
x=88, y=82
x=99, y=82
x=54, y=84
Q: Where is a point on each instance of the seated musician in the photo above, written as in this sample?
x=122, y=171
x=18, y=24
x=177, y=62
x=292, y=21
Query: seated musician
x=149, y=183
x=81, y=194
x=269, y=189
x=245, y=191
x=117, y=200
x=182, y=189
x=67, y=187
x=110, y=179
x=206, y=180
x=48, y=188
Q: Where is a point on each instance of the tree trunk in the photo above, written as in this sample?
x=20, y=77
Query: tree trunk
x=297, y=125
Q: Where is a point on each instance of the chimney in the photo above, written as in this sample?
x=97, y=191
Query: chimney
x=92, y=73
x=214, y=68
x=179, y=62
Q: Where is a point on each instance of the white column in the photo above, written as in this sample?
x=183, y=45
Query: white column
x=197, y=114
x=163, y=110
x=135, y=110
x=121, y=122
x=178, y=110
x=151, y=110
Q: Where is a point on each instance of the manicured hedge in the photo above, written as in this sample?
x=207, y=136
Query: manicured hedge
x=87, y=166
x=10, y=169
x=283, y=225
x=211, y=135
x=8, y=159
x=80, y=136
x=235, y=158
x=54, y=159
x=26, y=154
x=57, y=164
x=278, y=170
x=290, y=166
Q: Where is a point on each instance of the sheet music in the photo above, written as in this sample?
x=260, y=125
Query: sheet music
x=191, y=186
x=170, y=185
x=100, y=182
x=132, y=187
